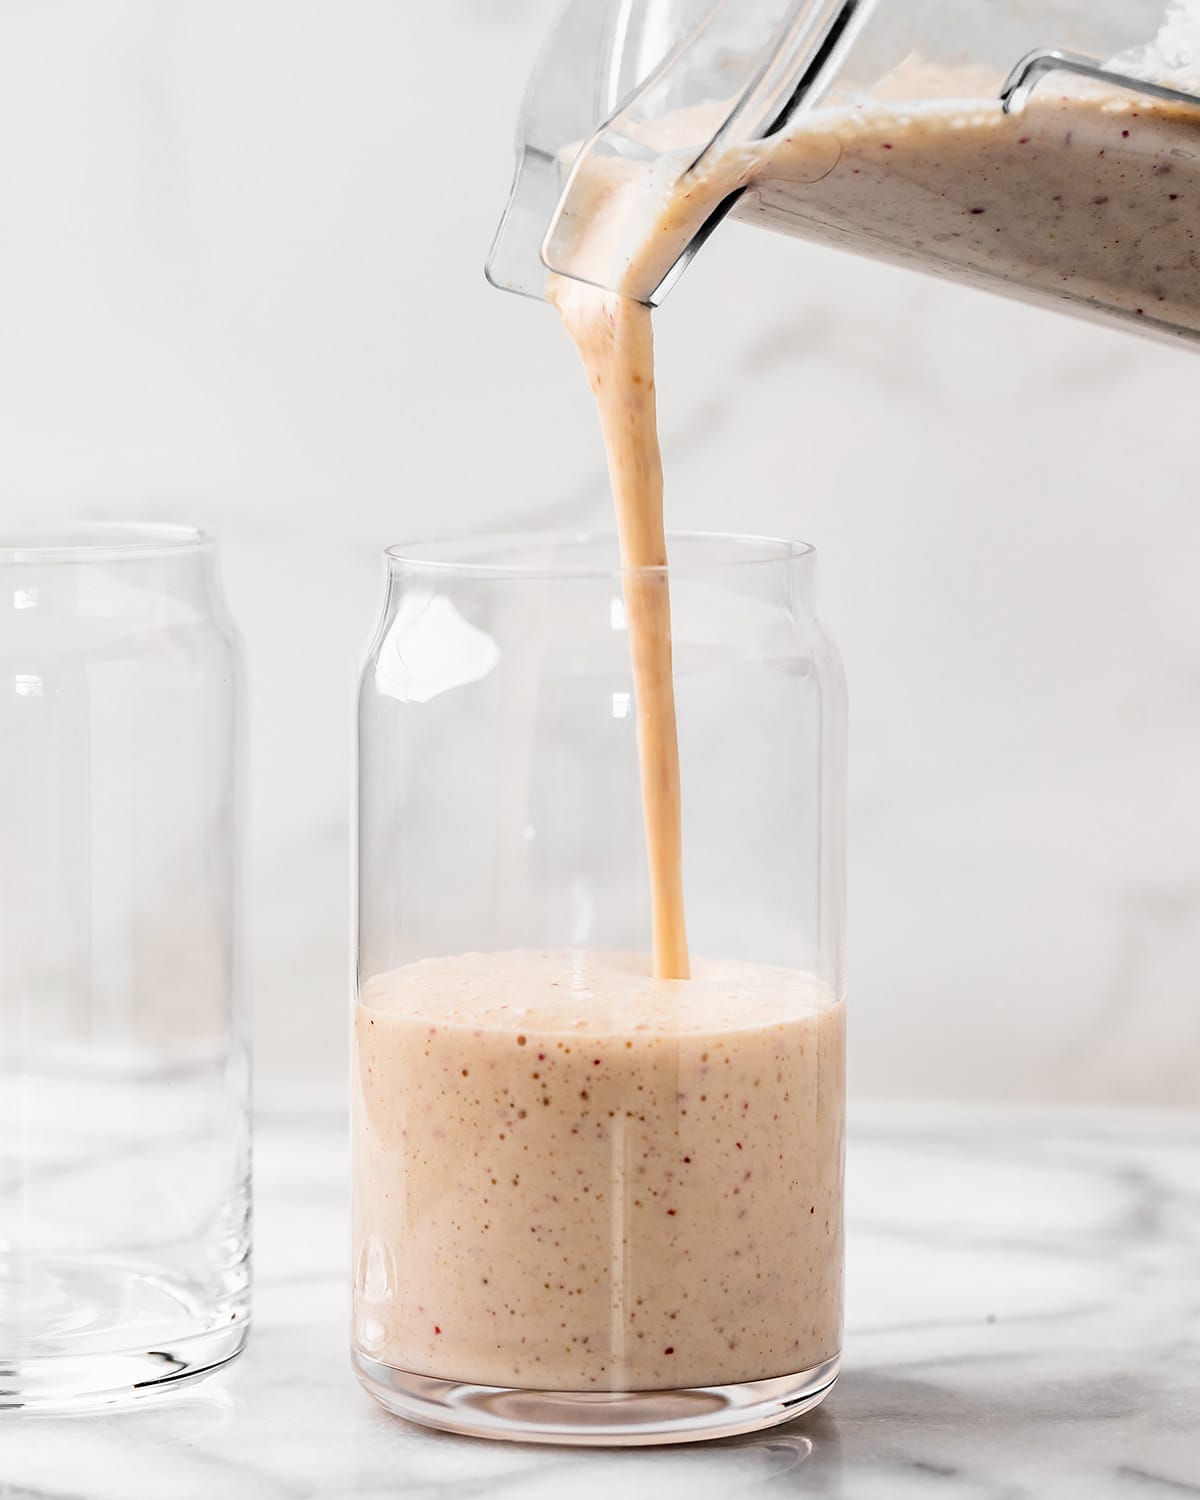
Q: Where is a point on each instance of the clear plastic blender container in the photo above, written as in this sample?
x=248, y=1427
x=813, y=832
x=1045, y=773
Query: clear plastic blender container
x=1046, y=148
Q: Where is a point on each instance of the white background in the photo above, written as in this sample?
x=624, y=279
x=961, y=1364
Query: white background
x=240, y=284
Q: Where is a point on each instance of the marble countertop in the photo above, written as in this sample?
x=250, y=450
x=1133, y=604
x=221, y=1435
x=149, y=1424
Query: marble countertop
x=1023, y=1321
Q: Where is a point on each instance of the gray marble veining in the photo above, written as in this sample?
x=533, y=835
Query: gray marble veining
x=1023, y=1322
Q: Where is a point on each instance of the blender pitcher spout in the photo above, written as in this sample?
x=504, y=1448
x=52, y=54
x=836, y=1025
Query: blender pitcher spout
x=627, y=99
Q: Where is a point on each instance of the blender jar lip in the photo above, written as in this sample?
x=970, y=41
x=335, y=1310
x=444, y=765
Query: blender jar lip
x=93, y=541
x=483, y=556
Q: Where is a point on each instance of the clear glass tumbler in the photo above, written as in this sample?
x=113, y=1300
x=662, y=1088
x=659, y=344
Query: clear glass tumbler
x=590, y=1206
x=124, y=1042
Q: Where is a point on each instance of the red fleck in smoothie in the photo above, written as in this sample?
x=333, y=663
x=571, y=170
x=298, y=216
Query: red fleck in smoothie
x=572, y=1176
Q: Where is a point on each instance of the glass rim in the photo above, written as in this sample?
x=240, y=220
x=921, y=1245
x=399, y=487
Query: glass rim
x=88, y=541
x=453, y=558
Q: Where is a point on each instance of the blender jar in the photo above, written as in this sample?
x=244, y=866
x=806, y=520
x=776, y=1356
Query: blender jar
x=590, y=1206
x=1049, y=151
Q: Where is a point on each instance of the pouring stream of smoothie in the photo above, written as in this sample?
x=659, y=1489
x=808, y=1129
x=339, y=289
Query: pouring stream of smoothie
x=615, y=342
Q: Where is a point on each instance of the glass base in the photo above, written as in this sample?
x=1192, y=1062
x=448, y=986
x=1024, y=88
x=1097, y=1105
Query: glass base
x=83, y=1334
x=595, y=1418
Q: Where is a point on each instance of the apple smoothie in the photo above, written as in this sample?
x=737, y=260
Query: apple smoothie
x=572, y=1176
x=590, y=1172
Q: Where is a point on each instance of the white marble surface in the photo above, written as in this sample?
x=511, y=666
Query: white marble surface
x=240, y=282
x=1024, y=1323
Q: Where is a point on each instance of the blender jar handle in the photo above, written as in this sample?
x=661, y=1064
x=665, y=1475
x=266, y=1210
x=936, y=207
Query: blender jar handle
x=1035, y=66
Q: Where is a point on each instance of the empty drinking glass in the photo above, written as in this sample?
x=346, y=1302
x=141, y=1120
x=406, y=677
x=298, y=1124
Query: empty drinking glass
x=124, y=1045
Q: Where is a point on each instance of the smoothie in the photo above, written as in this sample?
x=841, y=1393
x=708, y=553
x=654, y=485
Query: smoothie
x=615, y=342
x=572, y=1176
x=591, y=1172
x=1086, y=194
x=1083, y=195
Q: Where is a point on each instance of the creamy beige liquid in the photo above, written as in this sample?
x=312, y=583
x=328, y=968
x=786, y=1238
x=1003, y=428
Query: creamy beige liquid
x=615, y=342
x=568, y=1174
x=1085, y=196
x=571, y=1176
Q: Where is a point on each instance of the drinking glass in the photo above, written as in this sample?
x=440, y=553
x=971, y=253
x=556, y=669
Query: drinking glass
x=589, y=1206
x=124, y=1043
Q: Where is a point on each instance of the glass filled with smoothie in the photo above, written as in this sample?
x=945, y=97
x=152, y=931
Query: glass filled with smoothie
x=598, y=1040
